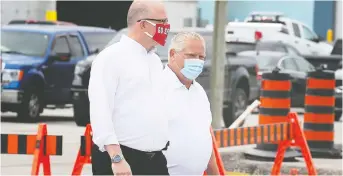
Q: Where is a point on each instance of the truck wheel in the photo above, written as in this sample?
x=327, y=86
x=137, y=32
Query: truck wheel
x=236, y=107
x=30, y=107
x=81, y=110
x=338, y=115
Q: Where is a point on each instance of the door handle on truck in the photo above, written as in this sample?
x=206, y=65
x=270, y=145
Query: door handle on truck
x=296, y=42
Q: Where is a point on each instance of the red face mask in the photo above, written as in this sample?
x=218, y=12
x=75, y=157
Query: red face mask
x=161, y=33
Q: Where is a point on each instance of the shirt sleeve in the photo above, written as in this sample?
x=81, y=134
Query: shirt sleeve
x=102, y=87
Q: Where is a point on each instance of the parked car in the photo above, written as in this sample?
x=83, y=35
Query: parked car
x=297, y=67
x=38, y=64
x=240, y=78
x=41, y=22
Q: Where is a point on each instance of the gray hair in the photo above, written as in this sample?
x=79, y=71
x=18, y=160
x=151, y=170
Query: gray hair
x=178, y=41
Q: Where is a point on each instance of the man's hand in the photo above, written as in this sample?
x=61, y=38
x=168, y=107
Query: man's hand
x=121, y=168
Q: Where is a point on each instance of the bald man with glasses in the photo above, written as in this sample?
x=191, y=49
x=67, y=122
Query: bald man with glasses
x=126, y=112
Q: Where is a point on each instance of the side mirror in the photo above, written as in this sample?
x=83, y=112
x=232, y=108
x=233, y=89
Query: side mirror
x=316, y=39
x=62, y=57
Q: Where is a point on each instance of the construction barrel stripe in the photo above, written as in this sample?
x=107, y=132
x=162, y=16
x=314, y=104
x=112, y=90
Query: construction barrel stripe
x=271, y=133
x=26, y=144
x=319, y=109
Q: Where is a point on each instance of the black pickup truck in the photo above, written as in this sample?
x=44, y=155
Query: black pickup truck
x=241, y=82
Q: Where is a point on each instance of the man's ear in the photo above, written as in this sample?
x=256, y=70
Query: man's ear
x=142, y=24
x=171, y=53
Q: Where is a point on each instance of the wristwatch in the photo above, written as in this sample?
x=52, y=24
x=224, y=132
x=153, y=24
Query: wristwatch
x=116, y=158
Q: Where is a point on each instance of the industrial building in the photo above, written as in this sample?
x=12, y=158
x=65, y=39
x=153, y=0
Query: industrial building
x=109, y=14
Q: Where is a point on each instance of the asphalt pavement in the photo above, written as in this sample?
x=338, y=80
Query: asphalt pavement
x=60, y=122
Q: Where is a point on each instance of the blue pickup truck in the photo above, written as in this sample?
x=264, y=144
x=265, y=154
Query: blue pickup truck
x=38, y=63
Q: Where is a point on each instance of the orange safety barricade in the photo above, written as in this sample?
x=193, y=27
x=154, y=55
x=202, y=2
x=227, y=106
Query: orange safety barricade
x=40, y=145
x=84, y=154
x=287, y=134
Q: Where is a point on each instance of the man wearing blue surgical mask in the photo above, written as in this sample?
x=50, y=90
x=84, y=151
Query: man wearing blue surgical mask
x=188, y=109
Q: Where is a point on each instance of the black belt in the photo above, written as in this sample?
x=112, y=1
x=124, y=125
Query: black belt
x=150, y=154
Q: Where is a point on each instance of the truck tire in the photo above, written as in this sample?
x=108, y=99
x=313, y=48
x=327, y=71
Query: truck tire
x=30, y=108
x=236, y=107
x=81, y=110
x=338, y=115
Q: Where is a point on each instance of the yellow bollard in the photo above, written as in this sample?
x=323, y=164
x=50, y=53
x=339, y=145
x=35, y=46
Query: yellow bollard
x=51, y=15
x=329, y=36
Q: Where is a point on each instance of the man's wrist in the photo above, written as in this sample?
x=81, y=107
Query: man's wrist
x=113, y=149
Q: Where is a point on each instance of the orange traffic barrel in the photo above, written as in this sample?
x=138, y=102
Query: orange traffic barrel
x=319, y=114
x=275, y=98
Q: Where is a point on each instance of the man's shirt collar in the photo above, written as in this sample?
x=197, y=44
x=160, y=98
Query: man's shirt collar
x=135, y=45
x=174, y=80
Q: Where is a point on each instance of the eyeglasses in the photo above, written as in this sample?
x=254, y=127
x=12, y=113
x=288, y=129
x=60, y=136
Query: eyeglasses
x=151, y=19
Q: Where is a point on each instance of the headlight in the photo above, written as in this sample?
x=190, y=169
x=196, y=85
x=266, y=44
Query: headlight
x=339, y=89
x=79, y=69
x=9, y=75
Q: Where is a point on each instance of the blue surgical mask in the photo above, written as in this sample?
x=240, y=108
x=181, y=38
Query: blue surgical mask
x=192, y=68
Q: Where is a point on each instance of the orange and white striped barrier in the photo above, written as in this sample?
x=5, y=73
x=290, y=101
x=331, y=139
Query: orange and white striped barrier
x=42, y=146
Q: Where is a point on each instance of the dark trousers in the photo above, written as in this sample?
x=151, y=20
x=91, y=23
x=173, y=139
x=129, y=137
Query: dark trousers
x=141, y=163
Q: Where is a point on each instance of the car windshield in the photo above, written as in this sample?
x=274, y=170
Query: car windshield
x=24, y=43
x=236, y=47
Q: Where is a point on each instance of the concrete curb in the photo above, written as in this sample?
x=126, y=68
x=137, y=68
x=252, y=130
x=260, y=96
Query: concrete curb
x=236, y=162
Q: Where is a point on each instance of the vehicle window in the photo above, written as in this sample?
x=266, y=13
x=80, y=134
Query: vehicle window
x=97, y=40
x=304, y=65
x=308, y=34
x=292, y=50
x=296, y=30
x=75, y=43
x=25, y=43
x=60, y=46
x=266, y=63
x=289, y=64
x=272, y=46
x=236, y=47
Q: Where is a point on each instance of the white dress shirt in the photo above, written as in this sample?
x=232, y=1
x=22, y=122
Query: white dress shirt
x=125, y=104
x=189, y=126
